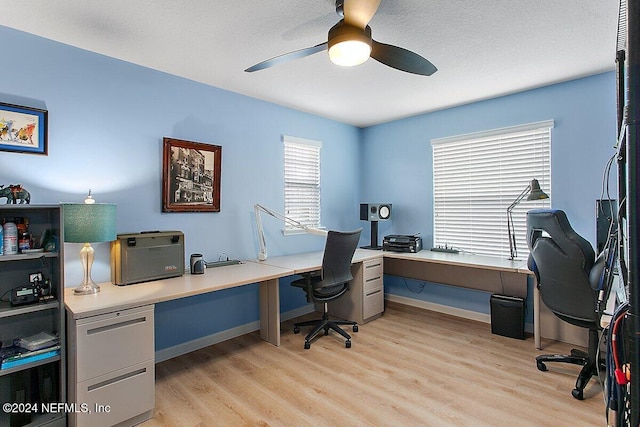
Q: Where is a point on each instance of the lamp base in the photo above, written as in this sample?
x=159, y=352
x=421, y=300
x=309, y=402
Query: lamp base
x=88, y=286
x=87, y=289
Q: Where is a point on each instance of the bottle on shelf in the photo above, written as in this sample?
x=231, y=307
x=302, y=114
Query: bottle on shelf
x=24, y=237
x=10, y=238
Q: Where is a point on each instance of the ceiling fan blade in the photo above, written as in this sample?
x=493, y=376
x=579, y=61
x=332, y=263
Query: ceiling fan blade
x=401, y=59
x=359, y=12
x=297, y=54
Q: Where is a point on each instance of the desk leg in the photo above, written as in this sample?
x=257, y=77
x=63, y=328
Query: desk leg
x=536, y=315
x=270, y=311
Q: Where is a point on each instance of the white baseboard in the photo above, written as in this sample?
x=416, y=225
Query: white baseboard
x=189, y=346
x=193, y=345
x=446, y=309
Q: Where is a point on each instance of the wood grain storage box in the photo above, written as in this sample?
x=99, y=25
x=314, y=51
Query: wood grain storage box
x=140, y=257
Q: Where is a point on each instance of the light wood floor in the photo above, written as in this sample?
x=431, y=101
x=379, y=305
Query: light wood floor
x=411, y=367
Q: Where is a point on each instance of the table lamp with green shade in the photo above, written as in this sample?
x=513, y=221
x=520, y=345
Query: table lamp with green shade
x=88, y=223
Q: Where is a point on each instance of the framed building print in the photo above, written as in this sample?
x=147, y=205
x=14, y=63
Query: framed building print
x=23, y=129
x=190, y=176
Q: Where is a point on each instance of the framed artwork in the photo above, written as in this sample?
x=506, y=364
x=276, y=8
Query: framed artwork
x=190, y=176
x=23, y=129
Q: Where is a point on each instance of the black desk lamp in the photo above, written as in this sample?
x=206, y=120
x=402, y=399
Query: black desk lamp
x=534, y=193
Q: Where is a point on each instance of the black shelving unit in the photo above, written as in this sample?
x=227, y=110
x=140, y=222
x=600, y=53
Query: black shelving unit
x=36, y=382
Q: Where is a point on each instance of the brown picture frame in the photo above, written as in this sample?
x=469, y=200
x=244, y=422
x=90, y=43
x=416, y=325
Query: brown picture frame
x=190, y=176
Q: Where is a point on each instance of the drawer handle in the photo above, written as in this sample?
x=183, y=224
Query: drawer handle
x=116, y=379
x=116, y=325
x=373, y=265
x=374, y=292
x=373, y=278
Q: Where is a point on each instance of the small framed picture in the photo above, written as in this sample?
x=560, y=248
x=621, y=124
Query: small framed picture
x=23, y=129
x=190, y=176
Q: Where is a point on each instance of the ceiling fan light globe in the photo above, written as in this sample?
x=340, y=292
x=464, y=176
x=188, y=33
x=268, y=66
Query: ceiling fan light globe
x=349, y=45
x=349, y=53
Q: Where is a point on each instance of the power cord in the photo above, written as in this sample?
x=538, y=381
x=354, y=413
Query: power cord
x=421, y=286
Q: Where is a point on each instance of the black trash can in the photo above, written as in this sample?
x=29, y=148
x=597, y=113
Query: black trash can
x=507, y=316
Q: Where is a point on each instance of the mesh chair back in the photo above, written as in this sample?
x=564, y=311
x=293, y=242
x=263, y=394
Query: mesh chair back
x=338, y=253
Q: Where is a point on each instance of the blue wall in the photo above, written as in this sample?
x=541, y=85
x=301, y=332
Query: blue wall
x=107, y=119
x=582, y=141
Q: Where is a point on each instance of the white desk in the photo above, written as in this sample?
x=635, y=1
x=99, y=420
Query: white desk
x=113, y=298
x=311, y=261
x=365, y=300
x=111, y=345
x=489, y=274
x=483, y=273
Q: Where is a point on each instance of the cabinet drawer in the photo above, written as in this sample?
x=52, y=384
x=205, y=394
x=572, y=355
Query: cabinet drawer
x=125, y=394
x=373, y=303
x=113, y=341
x=372, y=268
x=372, y=284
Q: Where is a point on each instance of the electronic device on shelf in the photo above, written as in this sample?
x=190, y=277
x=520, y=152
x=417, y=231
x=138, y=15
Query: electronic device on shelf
x=22, y=295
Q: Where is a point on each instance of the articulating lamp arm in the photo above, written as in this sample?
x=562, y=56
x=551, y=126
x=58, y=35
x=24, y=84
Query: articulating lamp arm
x=510, y=228
x=518, y=199
x=262, y=255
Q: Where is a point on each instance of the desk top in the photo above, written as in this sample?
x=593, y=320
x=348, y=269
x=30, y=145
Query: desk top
x=311, y=261
x=112, y=298
x=463, y=260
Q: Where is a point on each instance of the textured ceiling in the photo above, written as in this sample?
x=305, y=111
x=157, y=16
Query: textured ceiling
x=482, y=48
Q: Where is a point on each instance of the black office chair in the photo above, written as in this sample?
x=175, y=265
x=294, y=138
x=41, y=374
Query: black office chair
x=564, y=265
x=331, y=283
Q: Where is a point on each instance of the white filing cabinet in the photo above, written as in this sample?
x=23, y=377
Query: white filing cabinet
x=365, y=299
x=111, y=368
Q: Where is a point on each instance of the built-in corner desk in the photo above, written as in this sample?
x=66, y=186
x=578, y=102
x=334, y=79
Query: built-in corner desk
x=484, y=273
x=110, y=334
x=111, y=345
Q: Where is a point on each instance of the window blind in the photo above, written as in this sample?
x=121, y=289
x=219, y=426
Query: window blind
x=477, y=176
x=302, y=181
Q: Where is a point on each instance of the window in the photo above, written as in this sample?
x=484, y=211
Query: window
x=477, y=176
x=302, y=181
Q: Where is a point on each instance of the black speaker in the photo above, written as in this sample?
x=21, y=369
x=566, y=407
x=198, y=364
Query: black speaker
x=375, y=211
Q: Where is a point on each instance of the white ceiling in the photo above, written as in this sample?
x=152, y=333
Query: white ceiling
x=482, y=48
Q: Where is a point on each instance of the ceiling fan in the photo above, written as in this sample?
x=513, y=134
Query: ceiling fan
x=350, y=43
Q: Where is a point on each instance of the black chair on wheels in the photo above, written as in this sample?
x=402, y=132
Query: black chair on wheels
x=567, y=274
x=331, y=283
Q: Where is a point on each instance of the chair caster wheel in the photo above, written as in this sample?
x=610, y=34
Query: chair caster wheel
x=347, y=344
x=577, y=393
x=355, y=328
x=296, y=330
x=541, y=366
x=307, y=345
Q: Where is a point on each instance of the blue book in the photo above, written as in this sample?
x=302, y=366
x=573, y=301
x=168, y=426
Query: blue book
x=6, y=364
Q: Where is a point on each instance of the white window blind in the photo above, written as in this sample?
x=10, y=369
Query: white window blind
x=302, y=181
x=477, y=176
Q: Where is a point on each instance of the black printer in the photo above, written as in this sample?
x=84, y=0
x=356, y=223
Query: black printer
x=402, y=243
